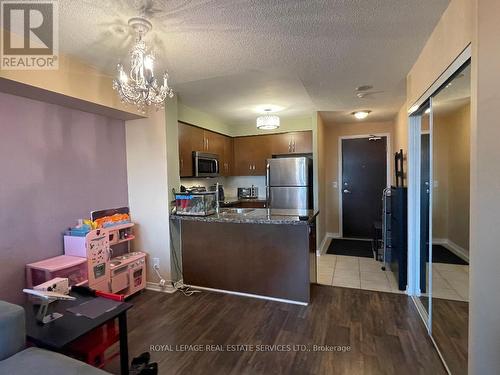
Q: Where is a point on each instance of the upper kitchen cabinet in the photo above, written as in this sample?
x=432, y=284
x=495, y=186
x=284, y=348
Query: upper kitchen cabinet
x=214, y=143
x=191, y=139
x=250, y=154
x=292, y=143
x=302, y=142
x=227, y=167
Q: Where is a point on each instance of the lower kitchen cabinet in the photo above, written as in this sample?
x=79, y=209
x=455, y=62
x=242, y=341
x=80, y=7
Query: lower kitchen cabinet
x=252, y=204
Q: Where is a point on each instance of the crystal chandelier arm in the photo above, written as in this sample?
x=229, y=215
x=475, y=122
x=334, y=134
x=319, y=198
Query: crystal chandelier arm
x=140, y=87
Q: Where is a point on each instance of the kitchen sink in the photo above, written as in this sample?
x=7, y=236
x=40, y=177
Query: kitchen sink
x=115, y=263
x=238, y=211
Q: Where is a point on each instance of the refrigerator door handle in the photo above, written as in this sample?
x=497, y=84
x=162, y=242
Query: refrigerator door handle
x=267, y=186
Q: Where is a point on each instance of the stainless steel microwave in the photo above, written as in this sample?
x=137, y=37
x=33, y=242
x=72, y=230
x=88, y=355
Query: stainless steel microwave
x=205, y=164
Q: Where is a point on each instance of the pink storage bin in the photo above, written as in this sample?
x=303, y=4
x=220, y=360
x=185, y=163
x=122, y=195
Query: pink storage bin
x=74, y=268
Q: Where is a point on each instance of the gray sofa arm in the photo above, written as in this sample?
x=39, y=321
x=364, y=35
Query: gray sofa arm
x=12, y=329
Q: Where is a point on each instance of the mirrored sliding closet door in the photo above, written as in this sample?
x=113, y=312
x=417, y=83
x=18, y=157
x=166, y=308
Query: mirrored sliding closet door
x=440, y=133
x=450, y=128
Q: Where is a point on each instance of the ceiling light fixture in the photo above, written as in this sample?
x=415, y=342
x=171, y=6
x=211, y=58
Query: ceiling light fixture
x=360, y=115
x=268, y=122
x=140, y=86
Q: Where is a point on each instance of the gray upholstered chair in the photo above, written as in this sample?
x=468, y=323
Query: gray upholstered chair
x=15, y=359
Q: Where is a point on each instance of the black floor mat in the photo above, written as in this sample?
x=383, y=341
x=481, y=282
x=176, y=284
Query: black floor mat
x=355, y=248
x=441, y=254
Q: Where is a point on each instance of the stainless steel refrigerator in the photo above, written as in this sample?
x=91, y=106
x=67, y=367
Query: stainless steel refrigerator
x=289, y=183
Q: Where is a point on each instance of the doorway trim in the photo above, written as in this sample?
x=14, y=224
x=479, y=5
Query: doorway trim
x=339, y=177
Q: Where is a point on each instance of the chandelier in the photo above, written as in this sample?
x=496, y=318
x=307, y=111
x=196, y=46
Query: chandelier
x=268, y=122
x=140, y=87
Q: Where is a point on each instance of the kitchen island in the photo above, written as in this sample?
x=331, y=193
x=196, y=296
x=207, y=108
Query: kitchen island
x=264, y=253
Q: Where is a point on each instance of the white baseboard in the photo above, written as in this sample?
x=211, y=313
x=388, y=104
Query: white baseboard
x=453, y=247
x=157, y=288
x=323, y=247
x=458, y=250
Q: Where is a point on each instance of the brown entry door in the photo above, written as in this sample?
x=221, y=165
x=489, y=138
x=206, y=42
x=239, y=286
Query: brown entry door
x=364, y=177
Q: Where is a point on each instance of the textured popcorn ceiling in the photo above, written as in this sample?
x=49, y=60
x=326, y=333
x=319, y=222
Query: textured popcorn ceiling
x=227, y=57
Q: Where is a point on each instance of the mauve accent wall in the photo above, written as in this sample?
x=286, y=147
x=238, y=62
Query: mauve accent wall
x=56, y=165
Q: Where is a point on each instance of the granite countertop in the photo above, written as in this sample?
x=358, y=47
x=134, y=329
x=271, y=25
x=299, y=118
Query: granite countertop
x=255, y=216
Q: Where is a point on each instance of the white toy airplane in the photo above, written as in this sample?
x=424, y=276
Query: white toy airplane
x=47, y=297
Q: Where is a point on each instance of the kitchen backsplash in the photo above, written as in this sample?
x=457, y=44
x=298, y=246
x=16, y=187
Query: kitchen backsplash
x=231, y=184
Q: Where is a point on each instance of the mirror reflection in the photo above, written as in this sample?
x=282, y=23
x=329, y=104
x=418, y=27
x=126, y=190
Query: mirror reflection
x=450, y=219
x=425, y=177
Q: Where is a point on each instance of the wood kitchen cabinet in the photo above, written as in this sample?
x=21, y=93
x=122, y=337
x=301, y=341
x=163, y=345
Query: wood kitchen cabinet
x=292, y=143
x=214, y=142
x=240, y=156
x=250, y=154
x=227, y=167
x=192, y=138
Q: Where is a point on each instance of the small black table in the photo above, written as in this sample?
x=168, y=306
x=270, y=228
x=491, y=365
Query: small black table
x=58, y=334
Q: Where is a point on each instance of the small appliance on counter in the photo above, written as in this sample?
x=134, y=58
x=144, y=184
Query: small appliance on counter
x=196, y=204
x=221, y=191
x=248, y=193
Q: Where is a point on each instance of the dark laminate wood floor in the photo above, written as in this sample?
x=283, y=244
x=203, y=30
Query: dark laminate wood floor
x=450, y=329
x=384, y=331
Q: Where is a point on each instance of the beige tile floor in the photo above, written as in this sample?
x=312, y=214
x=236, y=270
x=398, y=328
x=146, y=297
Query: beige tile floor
x=450, y=281
x=355, y=272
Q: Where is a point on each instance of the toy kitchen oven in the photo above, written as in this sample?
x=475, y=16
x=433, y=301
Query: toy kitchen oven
x=109, y=269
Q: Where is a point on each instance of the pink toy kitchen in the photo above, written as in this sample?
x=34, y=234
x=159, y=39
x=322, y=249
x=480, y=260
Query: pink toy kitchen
x=97, y=253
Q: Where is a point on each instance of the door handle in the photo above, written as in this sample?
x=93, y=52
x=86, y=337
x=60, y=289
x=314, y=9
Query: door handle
x=347, y=191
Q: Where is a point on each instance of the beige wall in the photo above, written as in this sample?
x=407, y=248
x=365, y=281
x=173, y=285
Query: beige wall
x=484, y=305
x=332, y=134
x=73, y=79
x=321, y=156
x=202, y=119
x=450, y=37
x=451, y=161
x=147, y=170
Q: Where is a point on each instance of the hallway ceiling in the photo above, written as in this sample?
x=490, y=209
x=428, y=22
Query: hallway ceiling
x=227, y=57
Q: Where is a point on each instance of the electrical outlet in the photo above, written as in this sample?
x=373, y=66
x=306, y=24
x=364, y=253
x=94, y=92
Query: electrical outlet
x=156, y=262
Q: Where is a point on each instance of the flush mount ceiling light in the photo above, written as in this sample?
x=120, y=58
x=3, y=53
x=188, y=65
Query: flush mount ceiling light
x=360, y=115
x=140, y=87
x=268, y=122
